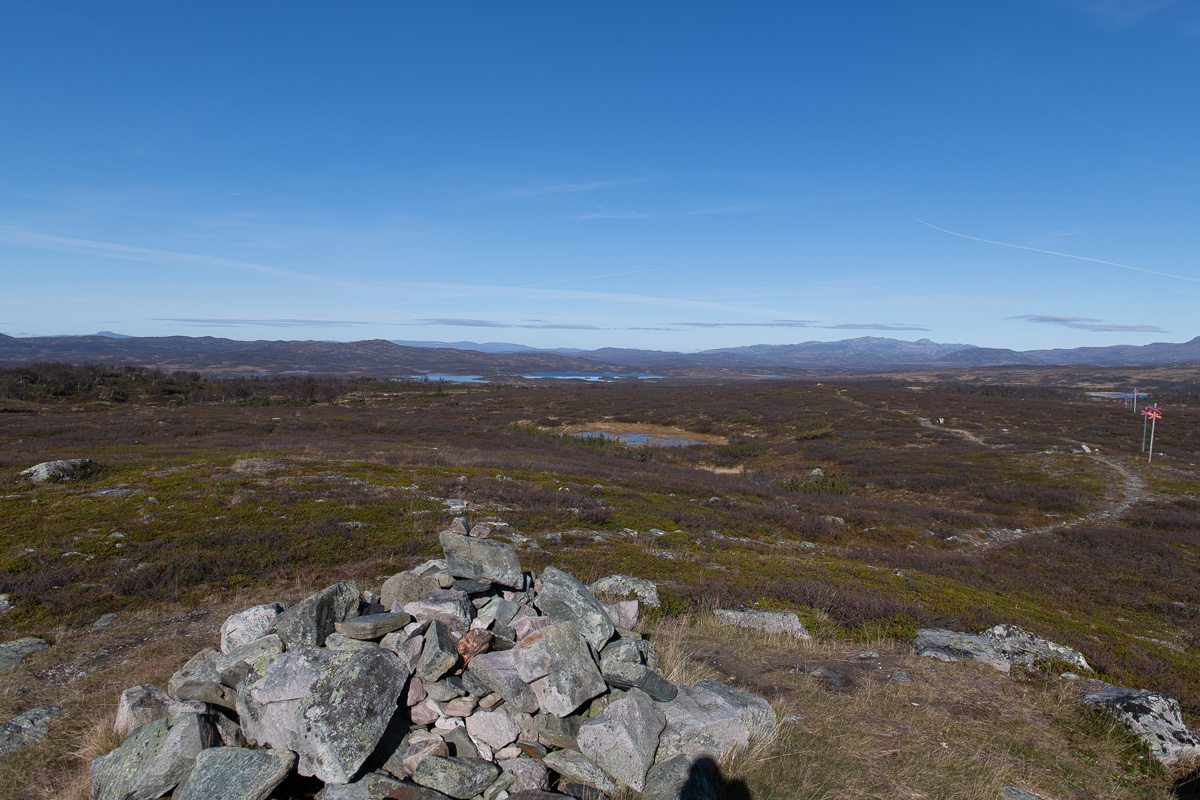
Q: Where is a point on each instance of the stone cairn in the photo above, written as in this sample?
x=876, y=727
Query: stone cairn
x=466, y=678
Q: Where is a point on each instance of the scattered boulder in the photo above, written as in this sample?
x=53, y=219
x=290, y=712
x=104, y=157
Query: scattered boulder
x=67, y=469
x=767, y=621
x=947, y=645
x=16, y=651
x=1155, y=718
x=1019, y=646
x=26, y=729
x=246, y=626
x=623, y=586
x=236, y=773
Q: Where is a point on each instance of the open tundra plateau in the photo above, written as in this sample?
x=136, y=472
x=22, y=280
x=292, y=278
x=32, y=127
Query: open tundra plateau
x=320, y=588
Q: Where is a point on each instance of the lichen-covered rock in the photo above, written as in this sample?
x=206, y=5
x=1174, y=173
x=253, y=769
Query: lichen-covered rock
x=330, y=707
x=462, y=778
x=67, y=469
x=1019, y=646
x=232, y=667
x=26, y=728
x=406, y=587
x=487, y=559
x=307, y=623
x=678, y=778
x=767, y=621
x=451, y=607
x=154, y=759
x=578, y=768
x=947, y=645
x=624, y=586
x=756, y=712
x=1155, y=718
x=246, y=626
x=372, y=626
x=139, y=705
x=528, y=774
x=438, y=656
x=494, y=728
x=565, y=599
x=236, y=773
x=624, y=675
x=372, y=786
x=570, y=675
x=16, y=651
x=623, y=738
x=498, y=671
x=700, y=724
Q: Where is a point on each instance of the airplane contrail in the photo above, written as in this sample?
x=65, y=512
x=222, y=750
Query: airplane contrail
x=1064, y=255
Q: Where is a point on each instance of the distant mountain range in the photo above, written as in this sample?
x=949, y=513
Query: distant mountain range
x=382, y=357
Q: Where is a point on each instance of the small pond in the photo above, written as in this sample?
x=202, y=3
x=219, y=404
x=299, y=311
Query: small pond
x=640, y=439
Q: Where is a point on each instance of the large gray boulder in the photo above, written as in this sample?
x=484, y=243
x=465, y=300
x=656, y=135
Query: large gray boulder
x=783, y=622
x=756, y=712
x=564, y=598
x=700, y=723
x=26, y=728
x=624, y=586
x=1155, y=718
x=67, y=469
x=236, y=773
x=557, y=662
x=154, y=759
x=482, y=559
x=1019, y=646
x=497, y=670
x=246, y=626
x=16, y=651
x=462, y=778
x=623, y=738
x=310, y=621
x=406, y=587
x=329, y=707
x=947, y=645
x=139, y=705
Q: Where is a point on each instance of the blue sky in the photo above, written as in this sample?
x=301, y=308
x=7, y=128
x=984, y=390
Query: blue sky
x=665, y=175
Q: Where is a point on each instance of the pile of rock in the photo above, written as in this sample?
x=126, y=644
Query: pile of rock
x=465, y=678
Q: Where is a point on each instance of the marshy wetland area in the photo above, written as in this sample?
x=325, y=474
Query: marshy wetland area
x=869, y=507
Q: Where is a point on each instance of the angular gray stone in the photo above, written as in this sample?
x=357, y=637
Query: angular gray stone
x=154, y=759
x=444, y=605
x=528, y=773
x=67, y=469
x=406, y=587
x=372, y=786
x=488, y=559
x=1019, y=646
x=756, y=712
x=232, y=667
x=572, y=677
x=558, y=731
x=373, y=626
x=766, y=621
x=624, y=613
x=1155, y=718
x=700, y=724
x=498, y=671
x=330, y=707
x=677, y=779
x=335, y=641
x=438, y=655
x=623, y=675
x=623, y=738
x=564, y=598
x=494, y=728
x=578, y=768
x=947, y=645
x=307, y=623
x=624, y=586
x=26, y=728
x=200, y=668
x=246, y=626
x=500, y=610
x=411, y=791
x=631, y=651
x=236, y=773
x=16, y=651
x=460, y=742
x=139, y=705
x=462, y=778
x=404, y=764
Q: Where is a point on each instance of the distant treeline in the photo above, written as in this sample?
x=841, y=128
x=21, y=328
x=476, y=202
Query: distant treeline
x=119, y=384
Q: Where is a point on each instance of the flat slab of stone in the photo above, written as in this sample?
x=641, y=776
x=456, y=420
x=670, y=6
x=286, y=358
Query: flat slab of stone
x=487, y=559
x=578, y=768
x=330, y=707
x=236, y=773
x=756, y=712
x=373, y=626
x=1155, y=718
x=16, y=651
x=766, y=621
x=947, y=645
x=445, y=605
x=307, y=623
x=26, y=729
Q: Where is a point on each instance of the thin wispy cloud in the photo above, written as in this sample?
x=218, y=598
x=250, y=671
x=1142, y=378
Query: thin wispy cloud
x=778, y=323
x=731, y=208
x=565, y=188
x=483, y=323
x=1064, y=255
x=207, y=322
x=24, y=237
x=1086, y=323
x=872, y=326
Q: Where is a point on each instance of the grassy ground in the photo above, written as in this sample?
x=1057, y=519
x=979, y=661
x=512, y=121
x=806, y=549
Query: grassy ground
x=201, y=505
